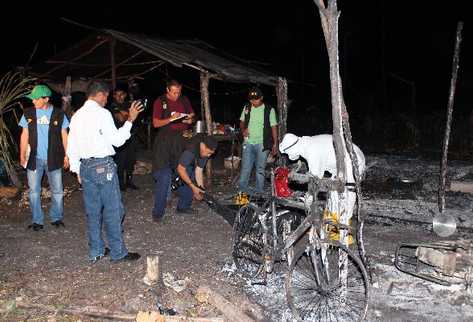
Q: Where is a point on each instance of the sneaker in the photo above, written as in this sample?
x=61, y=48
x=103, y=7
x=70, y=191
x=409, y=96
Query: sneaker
x=189, y=211
x=106, y=252
x=58, y=223
x=128, y=257
x=35, y=226
x=241, y=199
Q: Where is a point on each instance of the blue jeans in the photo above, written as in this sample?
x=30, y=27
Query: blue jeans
x=102, y=191
x=163, y=185
x=56, y=212
x=252, y=156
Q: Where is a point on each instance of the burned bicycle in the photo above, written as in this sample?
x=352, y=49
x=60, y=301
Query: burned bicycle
x=325, y=280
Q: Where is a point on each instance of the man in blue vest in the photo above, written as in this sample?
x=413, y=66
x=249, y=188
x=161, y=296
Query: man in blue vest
x=259, y=127
x=45, y=132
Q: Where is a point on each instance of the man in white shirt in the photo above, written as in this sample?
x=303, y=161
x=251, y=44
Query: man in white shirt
x=92, y=137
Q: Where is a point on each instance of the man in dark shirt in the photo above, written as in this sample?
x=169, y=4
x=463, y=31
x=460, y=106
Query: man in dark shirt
x=125, y=156
x=187, y=158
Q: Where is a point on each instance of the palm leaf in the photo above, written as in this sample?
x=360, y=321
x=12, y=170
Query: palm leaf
x=13, y=86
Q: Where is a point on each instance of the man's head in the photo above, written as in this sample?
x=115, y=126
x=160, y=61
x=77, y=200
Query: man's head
x=173, y=90
x=120, y=94
x=255, y=96
x=288, y=146
x=98, y=91
x=40, y=96
x=208, y=146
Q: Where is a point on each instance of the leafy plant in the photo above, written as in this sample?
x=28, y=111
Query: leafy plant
x=13, y=86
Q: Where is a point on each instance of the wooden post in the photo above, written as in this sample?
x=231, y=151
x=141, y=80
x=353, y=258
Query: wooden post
x=112, y=62
x=453, y=83
x=341, y=128
x=281, y=94
x=66, y=97
x=204, y=98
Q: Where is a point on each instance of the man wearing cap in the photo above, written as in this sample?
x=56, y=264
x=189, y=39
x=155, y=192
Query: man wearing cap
x=187, y=158
x=259, y=127
x=45, y=132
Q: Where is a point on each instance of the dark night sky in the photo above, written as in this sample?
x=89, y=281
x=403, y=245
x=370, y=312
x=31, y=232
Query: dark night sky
x=410, y=41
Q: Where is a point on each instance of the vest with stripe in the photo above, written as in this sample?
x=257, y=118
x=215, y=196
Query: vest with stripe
x=56, y=151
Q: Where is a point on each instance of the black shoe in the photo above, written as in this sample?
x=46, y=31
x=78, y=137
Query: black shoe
x=36, y=226
x=157, y=219
x=131, y=185
x=188, y=211
x=58, y=223
x=128, y=257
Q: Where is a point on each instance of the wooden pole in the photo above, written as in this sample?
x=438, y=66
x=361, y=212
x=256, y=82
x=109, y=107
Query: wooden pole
x=204, y=95
x=66, y=97
x=113, y=43
x=453, y=83
x=281, y=93
x=329, y=17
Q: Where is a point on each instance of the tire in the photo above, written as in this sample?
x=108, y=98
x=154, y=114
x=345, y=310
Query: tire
x=326, y=300
x=247, y=241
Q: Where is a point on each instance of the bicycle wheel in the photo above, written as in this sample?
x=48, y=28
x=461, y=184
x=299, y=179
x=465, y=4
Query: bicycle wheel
x=247, y=241
x=316, y=289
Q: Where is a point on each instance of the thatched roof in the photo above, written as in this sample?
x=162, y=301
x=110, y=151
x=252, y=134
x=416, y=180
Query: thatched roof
x=135, y=55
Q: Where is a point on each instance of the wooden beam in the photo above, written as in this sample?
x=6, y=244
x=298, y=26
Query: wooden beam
x=113, y=43
x=91, y=50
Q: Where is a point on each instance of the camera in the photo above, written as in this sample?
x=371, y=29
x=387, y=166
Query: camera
x=144, y=102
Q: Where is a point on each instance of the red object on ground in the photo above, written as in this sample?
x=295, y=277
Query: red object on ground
x=281, y=182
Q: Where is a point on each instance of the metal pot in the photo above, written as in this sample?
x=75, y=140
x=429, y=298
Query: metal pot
x=199, y=127
x=444, y=224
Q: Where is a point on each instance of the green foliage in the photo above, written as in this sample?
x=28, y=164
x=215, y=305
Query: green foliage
x=13, y=86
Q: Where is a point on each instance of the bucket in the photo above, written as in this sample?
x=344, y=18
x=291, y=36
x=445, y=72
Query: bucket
x=199, y=127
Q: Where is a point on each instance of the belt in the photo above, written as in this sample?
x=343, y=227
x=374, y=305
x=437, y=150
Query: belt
x=94, y=158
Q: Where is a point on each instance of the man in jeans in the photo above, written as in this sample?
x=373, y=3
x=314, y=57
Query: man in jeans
x=45, y=131
x=259, y=127
x=187, y=159
x=91, y=140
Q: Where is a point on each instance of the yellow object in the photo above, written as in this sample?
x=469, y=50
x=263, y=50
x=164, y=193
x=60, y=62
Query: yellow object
x=332, y=229
x=242, y=199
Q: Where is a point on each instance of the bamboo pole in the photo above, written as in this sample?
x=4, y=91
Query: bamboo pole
x=446, y=139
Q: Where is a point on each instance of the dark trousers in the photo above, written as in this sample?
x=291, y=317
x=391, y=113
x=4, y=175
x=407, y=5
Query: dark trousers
x=163, y=185
x=125, y=159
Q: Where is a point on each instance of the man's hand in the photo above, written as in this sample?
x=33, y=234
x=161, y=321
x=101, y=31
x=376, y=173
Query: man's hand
x=274, y=150
x=197, y=192
x=135, y=109
x=189, y=119
x=66, y=162
x=23, y=161
x=246, y=133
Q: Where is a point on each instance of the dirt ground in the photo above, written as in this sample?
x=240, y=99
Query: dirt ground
x=49, y=268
